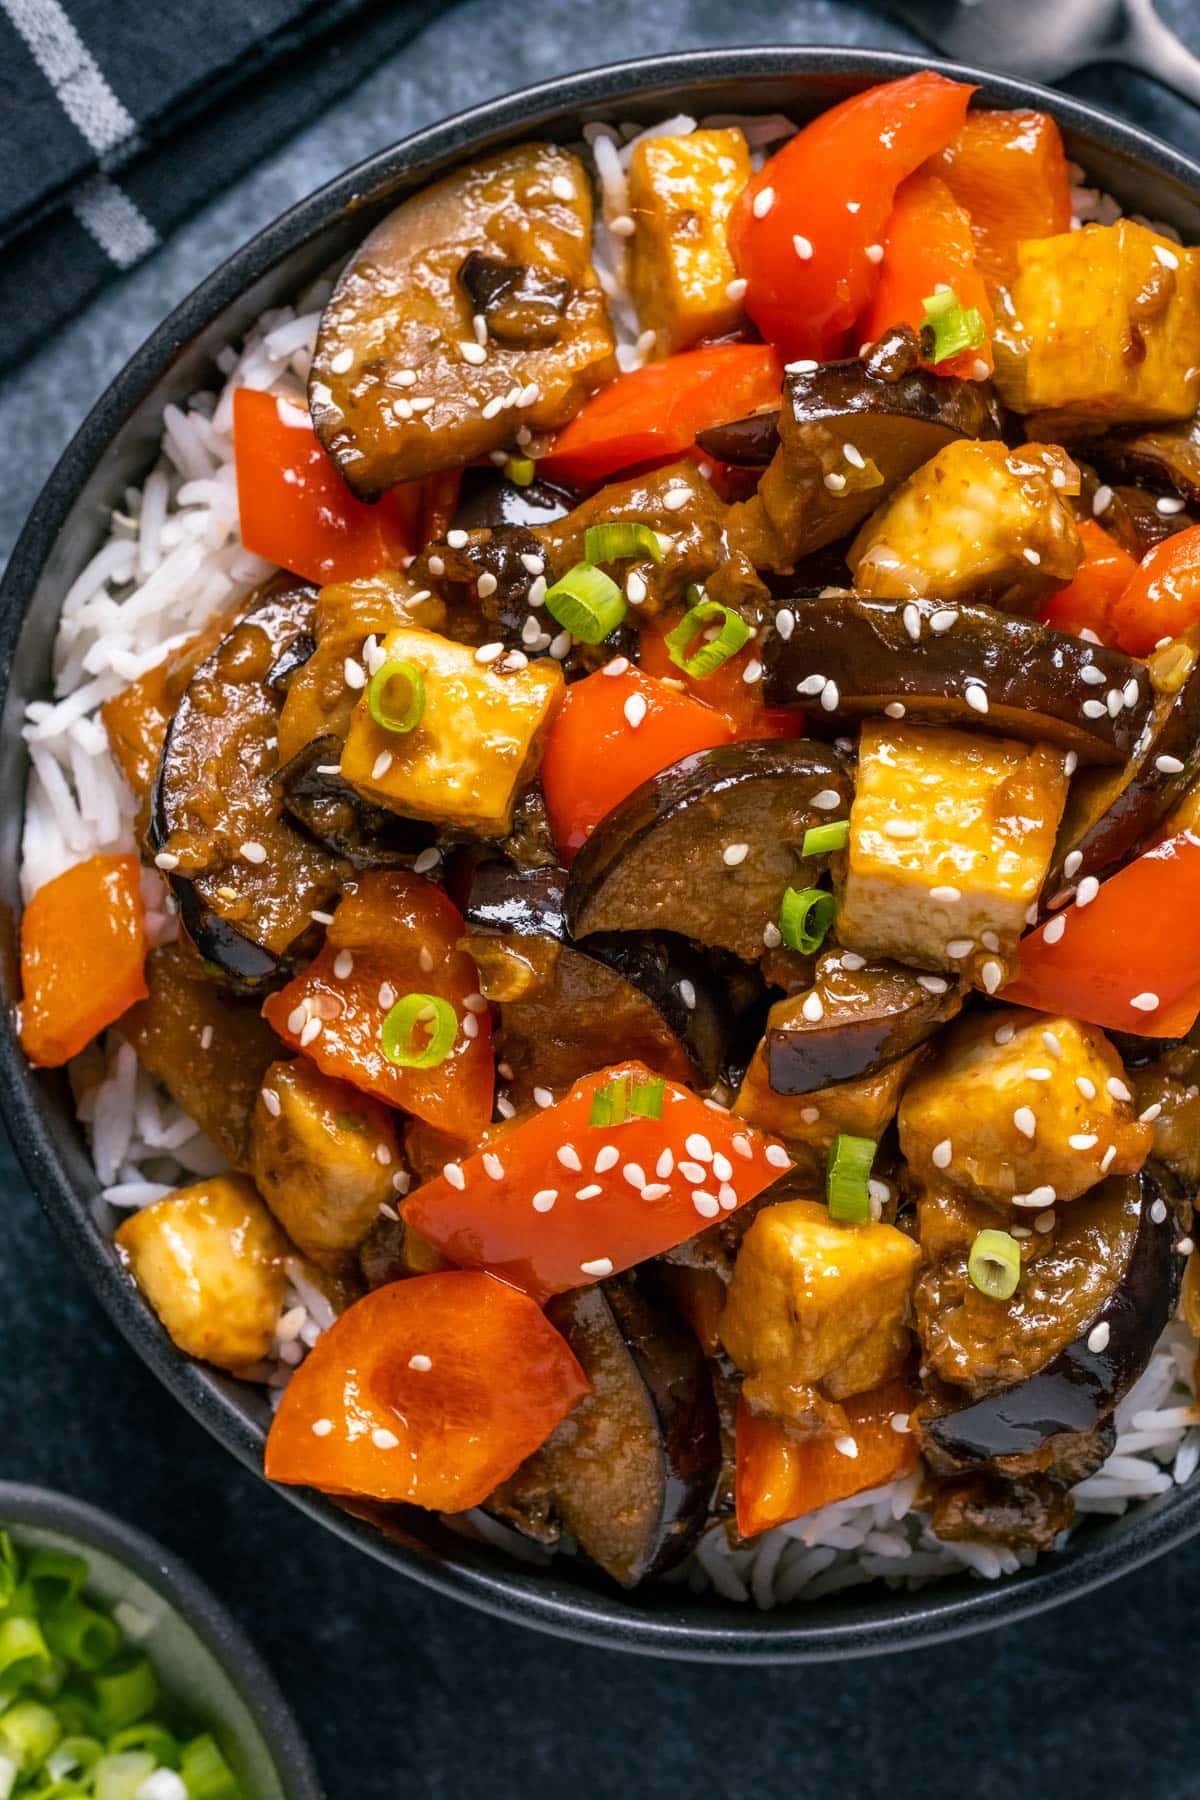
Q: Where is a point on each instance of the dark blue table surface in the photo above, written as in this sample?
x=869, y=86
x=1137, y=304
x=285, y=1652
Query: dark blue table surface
x=401, y=1692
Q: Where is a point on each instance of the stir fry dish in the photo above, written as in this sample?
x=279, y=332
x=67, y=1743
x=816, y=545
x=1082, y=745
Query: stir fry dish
x=687, y=876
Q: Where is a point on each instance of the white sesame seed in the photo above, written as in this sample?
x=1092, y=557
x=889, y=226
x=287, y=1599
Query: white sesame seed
x=1093, y=709
x=895, y=709
x=1098, y=1337
x=826, y=799
x=664, y=1166
x=687, y=993
x=853, y=961
x=486, y=586
x=1025, y=1121
x=384, y=1439
x=472, y=352
x=734, y=855
x=874, y=253
x=537, y=590
x=1168, y=765
x=942, y=619
x=1151, y=1113
x=492, y=1165
x=772, y=936
x=322, y=1427
x=562, y=187
x=735, y=290
x=1184, y=1247
x=1087, y=890
x=829, y=696
x=1070, y=762
x=311, y=1033
x=1072, y=864
x=1147, y=1002
x=901, y=828
x=785, y=624
x=1106, y=1160
x=854, y=456
x=976, y=697
x=1091, y=676
x=957, y=948
x=428, y=859
x=452, y=1172
x=802, y=246
x=166, y=861
x=253, y=852
x=634, y=710
x=543, y=1097
x=742, y=1146
x=764, y=200
x=777, y=1156
x=933, y=984
x=1053, y=1045
x=912, y=622
x=1031, y=556
x=1102, y=499
x=568, y=1156
x=1054, y=929
x=354, y=674
x=1083, y=1140
x=991, y=975
x=835, y=482
x=813, y=1009
x=505, y=1107
x=989, y=940
x=487, y=653
x=846, y=1446
x=707, y=1205
x=590, y=1192
x=1166, y=257
x=1117, y=1089
x=343, y=965
x=1086, y=1086
x=812, y=684
x=381, y=765
x=697, y=1145
x=271, y=1101
x=607, y=1157
x=1114, y=701
x=600, y=1267
x=544, y=1199
x=941, y=1154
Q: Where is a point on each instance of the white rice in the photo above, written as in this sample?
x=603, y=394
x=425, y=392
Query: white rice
x=173, y=557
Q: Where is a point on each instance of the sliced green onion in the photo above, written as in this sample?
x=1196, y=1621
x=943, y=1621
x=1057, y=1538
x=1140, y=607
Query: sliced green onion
x=75, y=1755
x=120, y=1777
x=55, y=1576
x=162, y=1745
x=618, y=539
x=805, y=916
x=587, y=603
x=9, y=1573
x=381, y=704
x=28, y=1733
x=126, y=1690
x=847, y=1178
x=85, y=1637
x=520, y=469
x=994, y=1264
x=624, y=1098
x=819, y=839
x=24, y=1653
x=419, y=1031
x=951, y=326
x=206, y=1774
x=709, y=657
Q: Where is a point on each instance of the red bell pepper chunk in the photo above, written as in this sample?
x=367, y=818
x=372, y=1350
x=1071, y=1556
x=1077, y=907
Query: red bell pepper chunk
x=296, y=510
x=928, y=245
x=1087, y=601
x=431, y=1390
x=806, y=232
x=574, y=1202
x=1130, y=959
x=392, y=932
x=1009, y=172
x=83, y=947
x=726, y=690
x=1162, y=596
x=654, y=414
x=781, y=1475
x=595, y=753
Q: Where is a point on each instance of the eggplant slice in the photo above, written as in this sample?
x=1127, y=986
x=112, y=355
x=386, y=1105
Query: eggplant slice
x=337, y=815
x=889, y=412
x=487, y=500
x=566, y=1010
x=630, y=1471
x=1166, y=456
x=707, y=848
x=869, y=1017
x=246, y=879
x=1083, y=1323
x=1041, y=685
x=1110, y=811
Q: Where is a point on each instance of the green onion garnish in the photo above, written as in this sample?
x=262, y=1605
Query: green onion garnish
x=819, y=839
x=396, y=711
x=951, y=326
x=624, y=1098
x=125, y=1691
x=206, y=1774
x=587, y=603
x=419, y=1031
x=994, y=1264
x=618, y=539
x=29, y=1732
x=847, y=1178
x=24, y=1654
x=55, y=1576
x=710, y=656
x=805, y=916
x=520, y=469
x=82, y=1635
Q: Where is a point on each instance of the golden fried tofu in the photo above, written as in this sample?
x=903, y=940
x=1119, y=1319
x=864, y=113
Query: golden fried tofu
x=478, y=739
x=1021, y=1103
x=951, y=835
x=210, y=1260
x=681, y=192
x=813, y=1302
x=977, y=522
x=323, y=1155
x=863, y=1107
x=1105, y=327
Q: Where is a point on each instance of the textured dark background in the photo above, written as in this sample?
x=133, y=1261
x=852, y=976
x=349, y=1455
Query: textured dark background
x=402, y=1693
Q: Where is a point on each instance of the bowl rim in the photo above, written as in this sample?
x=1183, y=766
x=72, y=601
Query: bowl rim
x=95, y=1529
x=481, y=1577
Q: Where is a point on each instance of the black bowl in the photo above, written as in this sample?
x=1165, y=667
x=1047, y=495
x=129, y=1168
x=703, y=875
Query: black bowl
x=204, y=1659
x=113, y=448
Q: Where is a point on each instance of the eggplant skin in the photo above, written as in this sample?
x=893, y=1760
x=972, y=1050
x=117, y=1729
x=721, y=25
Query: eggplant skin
x=526, y=901
x=337, y=816
x=1079, y=1386
x=487, y=501
x=870, y=1017
x=881, y=653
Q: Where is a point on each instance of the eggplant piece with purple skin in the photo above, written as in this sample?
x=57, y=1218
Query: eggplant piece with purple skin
x=245, y=878
x=568, y=1009
x=707, y=847
x=1109, y=812
x=630, y=1471
x=1166, y=456
x=487, y=500
x=869, y=1017
x=337, y=815
x=1041, y=685
x=1113, y=1333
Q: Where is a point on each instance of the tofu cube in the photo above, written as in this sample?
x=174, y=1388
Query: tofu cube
x=951, y=835
x=478, y=739
x=323, y=1156
x=1105, y=327
x=976, y=522
x=813, y=1303
x=210, y=1260
x=681, y=192
x=1019, y=1103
